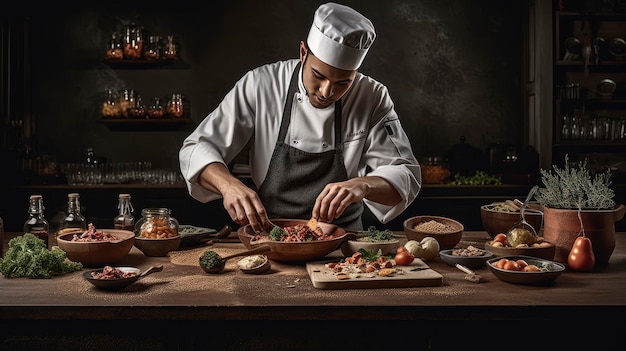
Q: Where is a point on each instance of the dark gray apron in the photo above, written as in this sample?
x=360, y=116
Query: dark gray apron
x=295, y=178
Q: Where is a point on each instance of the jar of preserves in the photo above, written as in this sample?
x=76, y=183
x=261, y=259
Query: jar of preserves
x=170, y=50
x=156, y=223
x=153, y=50
x=133, y=42
x=175, y=106
x=138, y=110
x=110, y=105
x=127, y=101
x=156, y=110
x=114, y=49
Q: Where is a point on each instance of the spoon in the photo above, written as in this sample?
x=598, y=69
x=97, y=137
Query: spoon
x=256, y=250
x=522, y=231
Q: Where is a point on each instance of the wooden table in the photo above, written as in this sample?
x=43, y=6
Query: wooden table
x=283, y=310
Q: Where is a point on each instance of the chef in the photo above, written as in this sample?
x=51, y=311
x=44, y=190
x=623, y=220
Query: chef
x=324, y=139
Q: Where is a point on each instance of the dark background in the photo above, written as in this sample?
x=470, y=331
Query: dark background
x=452, y=67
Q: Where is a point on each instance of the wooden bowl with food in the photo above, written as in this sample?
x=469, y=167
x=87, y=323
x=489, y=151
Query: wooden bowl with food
x=447, y=231
x=499, y=217
x=97, y=248
x=294, y=248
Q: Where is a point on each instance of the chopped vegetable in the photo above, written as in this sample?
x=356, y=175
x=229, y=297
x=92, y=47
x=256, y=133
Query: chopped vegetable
x=28, y=256
x=211, y=259
x=374, y=234
x=277, y=233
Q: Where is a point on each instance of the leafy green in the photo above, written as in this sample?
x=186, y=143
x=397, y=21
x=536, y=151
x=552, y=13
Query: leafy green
x=370, y=256
x=28, y=256
x=277, y=233
x=374, y=234
x=479, y=178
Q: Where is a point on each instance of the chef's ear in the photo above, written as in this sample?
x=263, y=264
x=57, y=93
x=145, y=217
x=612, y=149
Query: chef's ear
x=303, y=51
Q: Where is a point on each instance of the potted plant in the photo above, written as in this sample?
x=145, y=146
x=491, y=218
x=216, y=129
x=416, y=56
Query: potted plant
x=577, y=202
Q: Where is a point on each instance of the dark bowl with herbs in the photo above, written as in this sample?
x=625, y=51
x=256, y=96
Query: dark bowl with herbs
x=372, y=240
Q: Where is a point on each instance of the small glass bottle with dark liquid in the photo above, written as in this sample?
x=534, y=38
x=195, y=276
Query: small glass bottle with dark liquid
x=36, y=224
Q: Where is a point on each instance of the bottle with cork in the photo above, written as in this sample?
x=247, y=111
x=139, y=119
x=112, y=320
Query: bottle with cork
x=36, y=223
x=124, y=220
x=74, y=220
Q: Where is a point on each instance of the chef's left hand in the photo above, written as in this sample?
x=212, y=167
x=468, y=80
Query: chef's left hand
x=336, y=197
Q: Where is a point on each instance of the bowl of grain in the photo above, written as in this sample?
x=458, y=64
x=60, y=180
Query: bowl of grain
x=447, y=231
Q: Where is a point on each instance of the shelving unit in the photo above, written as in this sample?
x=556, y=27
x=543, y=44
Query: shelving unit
x=589, y=116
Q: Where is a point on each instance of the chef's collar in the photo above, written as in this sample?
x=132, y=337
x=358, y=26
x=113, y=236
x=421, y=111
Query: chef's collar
x=340, y=36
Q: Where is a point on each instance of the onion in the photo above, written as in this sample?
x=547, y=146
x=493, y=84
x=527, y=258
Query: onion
x=414, y=247
x=431, y=248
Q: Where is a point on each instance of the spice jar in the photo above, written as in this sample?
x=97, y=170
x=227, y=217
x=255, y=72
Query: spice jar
x=175, y=106
x=138, y=110
x=110, y=106
x=156, y=223
x=114, y=50
x=127, y=102
x=133, y=42
x=156, y=110
x=152, y=49
x=170, y=50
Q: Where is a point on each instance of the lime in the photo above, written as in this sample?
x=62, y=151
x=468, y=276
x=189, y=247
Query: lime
x=517, y=236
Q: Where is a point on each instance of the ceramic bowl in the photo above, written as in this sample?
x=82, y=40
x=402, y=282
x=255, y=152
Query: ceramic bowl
x=119, y=283
x=349, y=247
x=447, y=231
x=97, y=253
x=157, y=247
x=191, y=235
x=545, y=251
x=298, y=251
x=496, y=221
x=473, y=262
x=550, y=271
x=261, y=268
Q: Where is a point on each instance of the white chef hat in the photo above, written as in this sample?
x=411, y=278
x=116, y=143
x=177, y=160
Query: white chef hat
x=340, y=36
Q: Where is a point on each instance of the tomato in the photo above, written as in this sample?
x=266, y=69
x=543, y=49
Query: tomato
x=404, y=258
x=401, y=249
x=581, y=257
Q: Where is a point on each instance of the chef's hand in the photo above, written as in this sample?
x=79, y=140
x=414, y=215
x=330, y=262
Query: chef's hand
x=242, y=203
x=336, y=197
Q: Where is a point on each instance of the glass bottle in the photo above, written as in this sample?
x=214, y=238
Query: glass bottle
x=156, y=223
x=110, y=107
x=127, y=101
x=36, y=223
x=133, y=42
x=138, y=110
x=124, y=220
x=152, y=49
x=156, y=110
x=175, y=106
x=74, y=218
x=114, y=49
x=170, y=49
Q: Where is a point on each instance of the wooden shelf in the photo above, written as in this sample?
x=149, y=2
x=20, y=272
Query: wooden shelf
x=144, y=123
x=138, y=64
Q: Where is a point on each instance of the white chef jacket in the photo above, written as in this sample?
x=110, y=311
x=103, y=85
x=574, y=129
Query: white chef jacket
x=374, y=142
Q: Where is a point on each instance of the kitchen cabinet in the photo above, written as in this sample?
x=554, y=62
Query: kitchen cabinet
x=590, y=89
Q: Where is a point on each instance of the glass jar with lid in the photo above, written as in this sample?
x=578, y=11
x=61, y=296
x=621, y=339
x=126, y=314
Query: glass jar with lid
x=175, y=106
x=153, y=50
x=110, y=105
x=156, y=223
x=156, y=110
x=127, y=101
x=114, y=49
x=133, y=42
x=74, y=219
x=170, y=50
x=124, y=220
x=138, y=110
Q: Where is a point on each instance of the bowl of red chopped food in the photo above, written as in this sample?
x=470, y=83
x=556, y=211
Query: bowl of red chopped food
x=97, y=247
x=117, y=278
x=297, y=240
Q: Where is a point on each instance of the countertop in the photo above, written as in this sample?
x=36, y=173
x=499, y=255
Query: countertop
x=183, y=293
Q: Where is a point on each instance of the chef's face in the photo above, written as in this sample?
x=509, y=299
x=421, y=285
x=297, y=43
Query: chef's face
x=324, y=83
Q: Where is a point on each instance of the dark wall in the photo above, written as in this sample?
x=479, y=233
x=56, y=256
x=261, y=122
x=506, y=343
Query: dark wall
x=453, y=67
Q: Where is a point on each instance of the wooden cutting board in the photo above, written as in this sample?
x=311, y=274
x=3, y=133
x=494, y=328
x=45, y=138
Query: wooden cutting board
x=415, y=275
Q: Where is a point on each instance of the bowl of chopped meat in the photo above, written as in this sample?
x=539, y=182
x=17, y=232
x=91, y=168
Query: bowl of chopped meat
x=447, y=231
x=97, y=247
x=297, y=240
x=117, y=278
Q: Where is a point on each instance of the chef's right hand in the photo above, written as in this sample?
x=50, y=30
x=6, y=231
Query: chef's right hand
x=244, y=207
x=242, y=203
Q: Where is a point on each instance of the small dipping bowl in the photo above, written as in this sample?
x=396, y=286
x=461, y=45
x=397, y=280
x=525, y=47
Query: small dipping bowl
x=255, y=264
